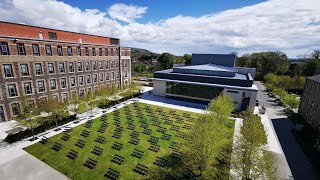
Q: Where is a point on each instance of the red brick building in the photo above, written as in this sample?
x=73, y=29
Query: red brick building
x=37, y=62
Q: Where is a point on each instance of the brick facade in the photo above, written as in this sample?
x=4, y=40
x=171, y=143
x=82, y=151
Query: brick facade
x=310, y=102
x=14, y=34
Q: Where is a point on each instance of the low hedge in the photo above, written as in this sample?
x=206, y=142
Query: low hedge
x=11, y=138
x=49, y=124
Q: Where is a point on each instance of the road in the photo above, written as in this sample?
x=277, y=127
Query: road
x=299, y=164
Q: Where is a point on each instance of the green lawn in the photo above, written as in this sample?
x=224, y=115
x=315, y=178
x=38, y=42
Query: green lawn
x=75, y=169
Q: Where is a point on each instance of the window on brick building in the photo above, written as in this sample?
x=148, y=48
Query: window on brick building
x=107, y=64
x=100, y=51
x=15, y=107
x=78, y=51
x=94, y=65
x=50, y=68
x=87, y=66
x=62, y=68
x=86, y=51
x=95, y=77
x=65, y=96
x=117, y=64
x=41, y=86
x=107, y=76
x=106, y=52
x=2, y=117
x=53, y=84
x=100, y=65
x=24, y=70
x=35, y=48
x=69, y=51
x=59, y=50
x=111, y=52
x=71, y=67
x=38, y=68
x=27, y=88
x=8, y=71
x=63, y=83
x=125, y=63
x=117, y=75
x=21, y=49
x=111, y=64
x=93, y=51
x=81, y=80
x=31, y=103
x=4, y=48
x=88, y=79
x=52, y=35
x=126, y=74
x=112, y=76
x=12, y=90
x=48, y=50
x=101, y=76
x=72, y=81
x=81, y=92
x=79, y=66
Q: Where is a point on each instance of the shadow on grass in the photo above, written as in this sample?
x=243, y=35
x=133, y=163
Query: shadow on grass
x=176, y=168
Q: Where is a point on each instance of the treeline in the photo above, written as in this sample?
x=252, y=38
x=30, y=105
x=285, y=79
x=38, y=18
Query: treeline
x=278, y=63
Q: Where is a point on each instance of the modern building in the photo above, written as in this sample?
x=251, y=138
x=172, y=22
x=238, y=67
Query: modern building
x=37, y=62
x=208, y=76
x=310, y=101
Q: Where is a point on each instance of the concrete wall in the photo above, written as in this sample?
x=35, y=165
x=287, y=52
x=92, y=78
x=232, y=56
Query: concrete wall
x=159, y=88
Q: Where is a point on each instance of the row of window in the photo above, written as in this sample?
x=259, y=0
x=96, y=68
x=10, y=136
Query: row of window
x=24, y=67
x=41, y=84
x=4, y=50
x=15, y=106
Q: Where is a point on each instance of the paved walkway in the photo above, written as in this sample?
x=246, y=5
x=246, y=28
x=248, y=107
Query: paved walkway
x=291, y=154
x=17, y=164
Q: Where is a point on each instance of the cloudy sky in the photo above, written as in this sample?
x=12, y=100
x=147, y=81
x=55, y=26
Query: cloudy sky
x=180, y=26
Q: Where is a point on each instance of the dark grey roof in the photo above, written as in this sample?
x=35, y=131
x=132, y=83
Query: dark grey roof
x=315, y=78
x=218, y=59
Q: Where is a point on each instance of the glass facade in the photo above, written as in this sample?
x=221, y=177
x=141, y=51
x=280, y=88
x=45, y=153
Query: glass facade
x=191, y=91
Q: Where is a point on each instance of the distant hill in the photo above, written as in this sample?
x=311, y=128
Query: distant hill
x=143, y=54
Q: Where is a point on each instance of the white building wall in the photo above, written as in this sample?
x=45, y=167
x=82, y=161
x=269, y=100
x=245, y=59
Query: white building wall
x=159, y=88
x=237, y=97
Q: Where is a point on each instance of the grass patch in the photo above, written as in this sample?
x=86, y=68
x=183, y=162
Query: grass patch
x=75, y=169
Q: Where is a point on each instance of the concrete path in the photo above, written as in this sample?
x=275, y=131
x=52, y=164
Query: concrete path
x=27, y=167
x=292, y=155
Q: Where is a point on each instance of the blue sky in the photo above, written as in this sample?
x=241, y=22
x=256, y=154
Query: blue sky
x=182, y=26
x=163, y=9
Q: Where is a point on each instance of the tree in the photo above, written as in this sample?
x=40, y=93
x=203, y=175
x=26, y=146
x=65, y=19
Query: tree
x=244, y=61
x=56, y=109
x=166, y=60
x=251, y=159
x=187, y=59
x=29, y=116
x=206, y=138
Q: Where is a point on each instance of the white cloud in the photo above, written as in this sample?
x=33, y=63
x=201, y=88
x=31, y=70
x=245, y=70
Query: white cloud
x=292, y=26
x=126, y=13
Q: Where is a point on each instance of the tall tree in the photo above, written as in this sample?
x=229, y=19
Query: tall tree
x=166, y=60
x=251, y=159
x=56, y=109
x=206, y=138
x=29, y=116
